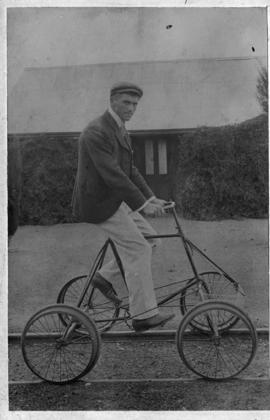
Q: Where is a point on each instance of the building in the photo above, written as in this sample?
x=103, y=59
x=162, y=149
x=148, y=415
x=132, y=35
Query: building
x=178, y=96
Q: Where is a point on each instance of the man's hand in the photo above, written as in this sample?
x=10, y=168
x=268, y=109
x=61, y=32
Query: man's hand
x=159, y=201
x=152, y=209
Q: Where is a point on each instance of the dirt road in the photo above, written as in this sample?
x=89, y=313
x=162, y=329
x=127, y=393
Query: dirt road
x=147, y=395
x=43, y=258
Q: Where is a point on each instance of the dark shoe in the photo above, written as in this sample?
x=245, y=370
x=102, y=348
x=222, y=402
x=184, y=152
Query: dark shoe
x=154, y=321
x=106, y=288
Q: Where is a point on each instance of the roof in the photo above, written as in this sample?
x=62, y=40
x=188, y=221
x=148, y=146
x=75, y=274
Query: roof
x=177, y=94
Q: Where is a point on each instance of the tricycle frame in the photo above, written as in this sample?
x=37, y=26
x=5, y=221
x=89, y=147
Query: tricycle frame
x=188, y=247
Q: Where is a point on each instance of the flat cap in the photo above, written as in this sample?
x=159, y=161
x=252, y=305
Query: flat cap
x=125, y=87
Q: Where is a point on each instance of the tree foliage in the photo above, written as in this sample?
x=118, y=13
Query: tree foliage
x=262, y=89
x=223, y=172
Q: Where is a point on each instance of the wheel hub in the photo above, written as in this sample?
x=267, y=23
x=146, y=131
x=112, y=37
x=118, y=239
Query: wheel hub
x=216, y=340
x=60, y=342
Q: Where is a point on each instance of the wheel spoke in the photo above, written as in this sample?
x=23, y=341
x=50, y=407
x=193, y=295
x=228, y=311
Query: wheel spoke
x=213, y=353
x=94, y=303
x=214, y=285
x=63, y=357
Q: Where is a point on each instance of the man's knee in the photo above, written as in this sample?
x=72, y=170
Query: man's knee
x=154, y=242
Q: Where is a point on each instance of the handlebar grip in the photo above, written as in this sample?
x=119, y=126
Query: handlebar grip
x=169, y=205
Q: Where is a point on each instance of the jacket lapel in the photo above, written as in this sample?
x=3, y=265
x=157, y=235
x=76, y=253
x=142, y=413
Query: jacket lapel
x=117, y=131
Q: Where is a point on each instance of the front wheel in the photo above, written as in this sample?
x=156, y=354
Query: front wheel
x=60, y=352
x=215, y=354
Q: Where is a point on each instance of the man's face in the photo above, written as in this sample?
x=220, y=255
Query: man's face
x=124, y=105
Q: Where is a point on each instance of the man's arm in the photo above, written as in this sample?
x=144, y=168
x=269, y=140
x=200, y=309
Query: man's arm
x=155, y=204
x=101, y=153
x=138, y=180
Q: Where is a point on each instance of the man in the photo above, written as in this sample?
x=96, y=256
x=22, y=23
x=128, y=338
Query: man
x=110, y=191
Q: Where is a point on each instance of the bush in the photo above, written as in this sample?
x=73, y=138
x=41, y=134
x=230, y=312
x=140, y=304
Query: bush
x=223, y=172
x=49, y=170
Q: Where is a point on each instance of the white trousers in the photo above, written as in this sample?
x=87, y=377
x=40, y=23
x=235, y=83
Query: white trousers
x=127, y=229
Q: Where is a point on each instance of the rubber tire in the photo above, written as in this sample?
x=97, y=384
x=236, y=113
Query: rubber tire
x=89, y=330
x=199, y=310
x=114, y=312
x=183, y=305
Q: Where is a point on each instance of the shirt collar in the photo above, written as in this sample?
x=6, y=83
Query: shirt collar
x=116, y=117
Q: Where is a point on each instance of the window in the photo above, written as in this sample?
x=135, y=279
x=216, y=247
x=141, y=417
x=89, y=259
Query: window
x=162, y=157
x=149, y=157
x=156, y=150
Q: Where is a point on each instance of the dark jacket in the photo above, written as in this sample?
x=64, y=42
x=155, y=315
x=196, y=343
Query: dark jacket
x=106, y=175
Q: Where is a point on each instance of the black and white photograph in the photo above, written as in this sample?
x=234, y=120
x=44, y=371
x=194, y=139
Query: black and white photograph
x=137, y=211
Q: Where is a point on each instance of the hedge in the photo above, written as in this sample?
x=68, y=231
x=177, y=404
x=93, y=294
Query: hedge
x=49, y=170
x=223, y=172
x=219, y=173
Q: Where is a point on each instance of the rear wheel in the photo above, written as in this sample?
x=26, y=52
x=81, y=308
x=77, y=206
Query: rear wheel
x=59, y=353
x=95, y=304
x=216, y=354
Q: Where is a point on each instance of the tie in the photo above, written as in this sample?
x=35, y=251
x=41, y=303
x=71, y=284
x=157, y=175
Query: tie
x=125, y=135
